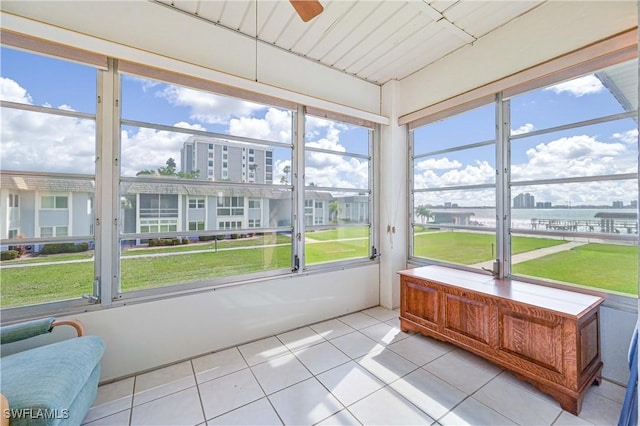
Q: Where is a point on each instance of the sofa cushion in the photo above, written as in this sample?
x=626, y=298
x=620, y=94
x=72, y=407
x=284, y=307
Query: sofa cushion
x=49, y=377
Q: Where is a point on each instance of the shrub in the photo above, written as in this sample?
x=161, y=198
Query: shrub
x=207, y=237
x=160, y=242
x=185, y=241
x=64, y=248
x=9, y=255
x=235, y=236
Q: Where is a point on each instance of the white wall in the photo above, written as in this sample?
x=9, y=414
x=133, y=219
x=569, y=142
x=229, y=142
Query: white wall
x=142, y=336
x=392, y=198
x=616, y=328
x=554, y=28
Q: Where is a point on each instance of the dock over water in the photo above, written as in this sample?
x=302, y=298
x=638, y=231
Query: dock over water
x=604, y=222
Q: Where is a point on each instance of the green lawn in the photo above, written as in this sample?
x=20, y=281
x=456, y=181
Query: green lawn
x=45, y=283
x=467, y=248
x=147, y=272
x=336, y=250
x=606, y=266
x=34, y=284
x=52, y=258
x=339, y=233
x=337, y=244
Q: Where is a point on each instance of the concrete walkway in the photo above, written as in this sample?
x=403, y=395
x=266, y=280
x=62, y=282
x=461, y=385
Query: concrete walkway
x=534, y=254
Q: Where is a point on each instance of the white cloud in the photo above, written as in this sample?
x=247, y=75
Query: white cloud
x=13, y=92
x=43, y=142
x=145, y=84
x=276, y=126
x=579, y=86
x=150, y=148
x=208, y=107
x=574, y=156
x=628, y=137
x=525, y=128
x=438, y=164
x=472, y=174
x=332, y=170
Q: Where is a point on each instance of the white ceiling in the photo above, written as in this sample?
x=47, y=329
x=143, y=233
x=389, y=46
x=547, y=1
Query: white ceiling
x=375, y=40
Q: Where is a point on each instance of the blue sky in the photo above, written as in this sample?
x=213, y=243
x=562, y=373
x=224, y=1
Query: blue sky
x=38, y=80
x=601, y=149
x=609, y=148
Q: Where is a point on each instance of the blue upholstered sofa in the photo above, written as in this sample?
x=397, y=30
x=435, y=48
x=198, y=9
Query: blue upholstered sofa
x=54, y=384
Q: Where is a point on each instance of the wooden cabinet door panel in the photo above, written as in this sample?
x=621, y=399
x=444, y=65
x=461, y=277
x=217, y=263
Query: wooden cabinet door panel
x=589, y=343
x=467, y=316
x=420, y=303
x=534, y=339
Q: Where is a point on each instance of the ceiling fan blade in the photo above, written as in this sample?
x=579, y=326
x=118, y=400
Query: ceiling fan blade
x=307, y=9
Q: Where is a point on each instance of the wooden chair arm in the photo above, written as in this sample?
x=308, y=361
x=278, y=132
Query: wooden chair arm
x=73, y=323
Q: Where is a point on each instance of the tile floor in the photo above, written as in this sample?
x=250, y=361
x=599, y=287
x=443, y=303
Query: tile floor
x=356, y=369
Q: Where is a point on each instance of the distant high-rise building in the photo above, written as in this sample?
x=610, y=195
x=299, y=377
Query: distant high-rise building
x=618, y=204
x=634, y=204
x=222, y=160
x=524, y=201
x=543, y=205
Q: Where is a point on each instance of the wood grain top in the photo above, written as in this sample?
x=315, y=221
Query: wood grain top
x=563, y=302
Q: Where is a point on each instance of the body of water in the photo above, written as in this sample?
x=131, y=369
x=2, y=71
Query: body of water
x=523, y=218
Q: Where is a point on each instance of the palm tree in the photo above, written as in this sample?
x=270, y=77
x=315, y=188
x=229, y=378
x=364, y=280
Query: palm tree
x=334, y=211
x=286, y=170
x=423, y=212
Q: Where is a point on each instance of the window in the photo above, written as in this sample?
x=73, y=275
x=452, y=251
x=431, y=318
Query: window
x=54, y=202
x=169, y=187
x=563, y=179
x=230, y=225
x=196, y=226
x=166, y=183
x=196, y=203
x=337, y=172
x=158, y=225
x=49, y=100
x=308, y=212
x=53, y=231
x=453, y=197
x=46, y=231
x=574, y=151
x=230, y=206
x=158, y=205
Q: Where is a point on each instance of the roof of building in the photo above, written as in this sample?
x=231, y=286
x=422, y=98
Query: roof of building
x=160, y=185
x=46, y=183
